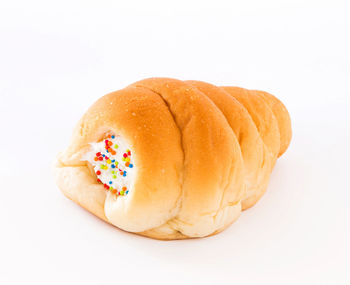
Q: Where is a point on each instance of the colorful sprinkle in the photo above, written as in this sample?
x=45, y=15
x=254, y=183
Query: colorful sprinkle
x=106, y=163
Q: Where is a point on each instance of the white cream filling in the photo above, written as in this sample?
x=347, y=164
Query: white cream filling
x=112, y=160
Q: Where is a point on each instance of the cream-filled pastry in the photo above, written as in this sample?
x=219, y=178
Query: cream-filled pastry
x=172, y=159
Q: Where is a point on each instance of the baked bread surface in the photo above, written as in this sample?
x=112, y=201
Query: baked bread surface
x=202, y=154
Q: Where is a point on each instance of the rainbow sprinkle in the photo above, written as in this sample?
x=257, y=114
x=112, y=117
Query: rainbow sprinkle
x=109, y=171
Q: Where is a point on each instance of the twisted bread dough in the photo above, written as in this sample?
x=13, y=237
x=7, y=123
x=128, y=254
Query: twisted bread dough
x=202, y=154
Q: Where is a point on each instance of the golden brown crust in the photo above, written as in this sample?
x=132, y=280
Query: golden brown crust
x=282, y=116
x=262, y=116
x=252, y=147
x=202, y=154
x=213, y=168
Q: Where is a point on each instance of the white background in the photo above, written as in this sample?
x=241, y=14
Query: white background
x=57, y=58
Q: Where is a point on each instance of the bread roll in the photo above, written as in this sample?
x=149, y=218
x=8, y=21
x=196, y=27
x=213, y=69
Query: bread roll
x=172, y=159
